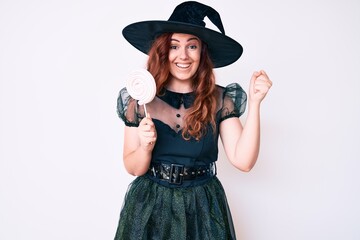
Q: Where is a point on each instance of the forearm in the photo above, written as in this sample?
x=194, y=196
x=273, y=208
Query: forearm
x=139, y=143
x=137, y=162
x=248, y=144
x=242, y=143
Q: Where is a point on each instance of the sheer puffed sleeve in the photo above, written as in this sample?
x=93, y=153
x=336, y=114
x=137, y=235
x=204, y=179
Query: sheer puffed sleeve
x=234, y=101
x=127, y=109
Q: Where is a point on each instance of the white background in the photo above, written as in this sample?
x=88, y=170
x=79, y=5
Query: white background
x=62, y=64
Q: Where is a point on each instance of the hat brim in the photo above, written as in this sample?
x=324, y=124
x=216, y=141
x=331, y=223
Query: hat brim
x=223, y=50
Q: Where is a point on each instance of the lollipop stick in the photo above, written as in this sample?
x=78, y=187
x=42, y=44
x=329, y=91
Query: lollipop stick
x=145, y=110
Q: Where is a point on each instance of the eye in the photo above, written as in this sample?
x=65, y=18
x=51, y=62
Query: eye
x=174, y=47
x=193, y=47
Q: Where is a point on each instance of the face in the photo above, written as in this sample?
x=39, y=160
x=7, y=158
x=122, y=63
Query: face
x=184, y=56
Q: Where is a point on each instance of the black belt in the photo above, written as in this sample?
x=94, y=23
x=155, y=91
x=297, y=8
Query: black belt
x=176, y=173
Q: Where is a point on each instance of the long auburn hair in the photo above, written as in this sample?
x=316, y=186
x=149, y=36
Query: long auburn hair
x=202, y=113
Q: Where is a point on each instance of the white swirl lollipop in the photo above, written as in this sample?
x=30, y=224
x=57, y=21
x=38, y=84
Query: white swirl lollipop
x=141, y=86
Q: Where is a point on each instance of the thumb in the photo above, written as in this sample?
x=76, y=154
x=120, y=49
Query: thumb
x=253, y=79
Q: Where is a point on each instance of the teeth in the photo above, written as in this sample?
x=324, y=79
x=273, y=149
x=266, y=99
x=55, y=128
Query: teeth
x=182, y=65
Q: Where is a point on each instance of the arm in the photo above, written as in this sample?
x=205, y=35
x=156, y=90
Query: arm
x=138, y=145
x=242, y=144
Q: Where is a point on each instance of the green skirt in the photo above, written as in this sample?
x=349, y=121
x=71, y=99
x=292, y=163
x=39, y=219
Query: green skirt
x=153, y=211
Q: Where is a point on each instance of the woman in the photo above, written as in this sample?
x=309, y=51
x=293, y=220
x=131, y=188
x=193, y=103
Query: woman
x=174, y=149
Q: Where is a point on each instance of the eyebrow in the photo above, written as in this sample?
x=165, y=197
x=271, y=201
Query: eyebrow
x=193, y=38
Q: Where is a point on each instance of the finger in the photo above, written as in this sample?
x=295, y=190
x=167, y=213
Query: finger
x=262, y=85
x=147, y=121
x=256, y=74
x=261, y=80
x=151, y=133
x=253, y=79
x=265, y=77
x=146, y=128
x=261, y=88
x=264, y=73
x=150, y=140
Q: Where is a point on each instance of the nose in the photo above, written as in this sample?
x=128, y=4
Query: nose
x=183, y=54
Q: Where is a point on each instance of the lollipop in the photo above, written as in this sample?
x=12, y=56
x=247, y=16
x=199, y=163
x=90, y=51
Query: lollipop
x=141, y=86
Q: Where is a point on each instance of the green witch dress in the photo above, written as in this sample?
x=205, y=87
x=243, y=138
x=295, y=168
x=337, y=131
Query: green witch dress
x=166, y=205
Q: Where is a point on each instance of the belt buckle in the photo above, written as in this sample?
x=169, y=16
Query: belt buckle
x=213, y=169
x=176, y=174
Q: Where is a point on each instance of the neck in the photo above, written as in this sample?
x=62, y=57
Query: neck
x=180, y=86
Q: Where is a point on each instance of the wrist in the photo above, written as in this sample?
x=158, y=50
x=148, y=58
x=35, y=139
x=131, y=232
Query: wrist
x=254, y=105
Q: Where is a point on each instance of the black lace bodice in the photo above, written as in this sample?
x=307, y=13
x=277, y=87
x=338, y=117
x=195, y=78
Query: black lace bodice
x=170, y=106
x=167, y=111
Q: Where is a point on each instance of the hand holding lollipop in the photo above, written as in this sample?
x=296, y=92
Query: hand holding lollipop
x=141, y=86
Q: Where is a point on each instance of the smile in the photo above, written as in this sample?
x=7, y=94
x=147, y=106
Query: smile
x=182, y=65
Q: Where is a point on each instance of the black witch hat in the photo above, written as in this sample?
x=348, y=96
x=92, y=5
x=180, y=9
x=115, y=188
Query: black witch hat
x=188, y=18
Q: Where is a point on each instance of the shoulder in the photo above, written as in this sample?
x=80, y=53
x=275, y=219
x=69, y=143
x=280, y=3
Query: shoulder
x=127, y=108
x=230, y=89
x=232, y=101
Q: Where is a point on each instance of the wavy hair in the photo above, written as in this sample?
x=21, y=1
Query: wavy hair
x=202, y=113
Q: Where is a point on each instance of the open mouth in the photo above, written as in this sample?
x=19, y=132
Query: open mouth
x=182, y=65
